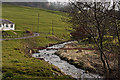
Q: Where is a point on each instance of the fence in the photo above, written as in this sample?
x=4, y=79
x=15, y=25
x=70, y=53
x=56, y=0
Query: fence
x=14, y=36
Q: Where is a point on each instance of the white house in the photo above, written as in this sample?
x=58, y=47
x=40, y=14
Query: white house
x=7, y=25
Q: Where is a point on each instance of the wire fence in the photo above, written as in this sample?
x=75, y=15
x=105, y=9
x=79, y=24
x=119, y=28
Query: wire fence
x=15, y=36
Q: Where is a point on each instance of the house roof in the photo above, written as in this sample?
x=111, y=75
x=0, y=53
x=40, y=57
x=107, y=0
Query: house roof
x=5, y=21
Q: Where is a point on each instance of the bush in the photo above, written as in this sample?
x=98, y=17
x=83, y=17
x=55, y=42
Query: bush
x=15, y=61
x=8, y=74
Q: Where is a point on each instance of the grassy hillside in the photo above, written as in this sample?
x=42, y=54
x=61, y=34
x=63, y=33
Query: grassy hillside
x=17, y=65
x=15, y=62
x=26, y=18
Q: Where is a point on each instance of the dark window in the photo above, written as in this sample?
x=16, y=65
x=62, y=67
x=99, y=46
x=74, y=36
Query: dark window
x=0, y=25
x=11, y=25
x=6, y=25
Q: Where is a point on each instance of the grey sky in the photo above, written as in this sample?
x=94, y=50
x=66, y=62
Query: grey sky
x=57, y=0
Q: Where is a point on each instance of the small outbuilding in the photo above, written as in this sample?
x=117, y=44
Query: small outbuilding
x=6, y=25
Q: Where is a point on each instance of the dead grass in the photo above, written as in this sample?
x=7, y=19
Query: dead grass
x=88, y=60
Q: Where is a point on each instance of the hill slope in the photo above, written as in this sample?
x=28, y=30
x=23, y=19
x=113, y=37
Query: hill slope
x=16, y=63
x=26, y=18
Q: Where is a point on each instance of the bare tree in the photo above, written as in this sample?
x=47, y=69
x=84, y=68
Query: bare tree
x=95, y=19
x=116, y=19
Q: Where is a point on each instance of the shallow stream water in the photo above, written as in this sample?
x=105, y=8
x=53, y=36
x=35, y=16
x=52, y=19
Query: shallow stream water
x=50, y=57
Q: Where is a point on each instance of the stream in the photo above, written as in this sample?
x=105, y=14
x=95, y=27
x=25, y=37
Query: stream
x=64, y=66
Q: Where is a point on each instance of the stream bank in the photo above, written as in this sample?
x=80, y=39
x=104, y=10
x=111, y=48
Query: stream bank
x=51, y=58
x=88, y=60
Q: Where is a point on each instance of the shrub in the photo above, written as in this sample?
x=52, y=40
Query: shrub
x=8, y=74
x=15, y=61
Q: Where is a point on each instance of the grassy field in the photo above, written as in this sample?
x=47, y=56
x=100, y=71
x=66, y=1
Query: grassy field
x=13, y=33
x=17, y=65
x=26, y=18
x=15, y=62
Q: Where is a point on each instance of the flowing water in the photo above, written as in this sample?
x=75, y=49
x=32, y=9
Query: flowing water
x=50, y=57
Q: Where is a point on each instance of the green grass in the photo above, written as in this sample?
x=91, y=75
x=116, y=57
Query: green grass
x=24, y=67
x=25, y=18
x=12, y=33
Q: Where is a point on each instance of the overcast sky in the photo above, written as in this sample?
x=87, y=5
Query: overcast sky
x=55, y=0
x=83, y=0
x=58, y=0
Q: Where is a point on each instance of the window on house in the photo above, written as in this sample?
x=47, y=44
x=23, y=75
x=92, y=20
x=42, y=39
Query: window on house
x=11, y=25
x=7, y=25
x=0, y=25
